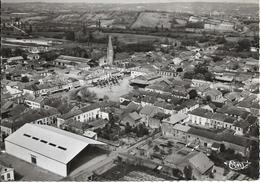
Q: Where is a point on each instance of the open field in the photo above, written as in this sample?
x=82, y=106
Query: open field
x=152, y=20
x=115, y=91
x=127, y=38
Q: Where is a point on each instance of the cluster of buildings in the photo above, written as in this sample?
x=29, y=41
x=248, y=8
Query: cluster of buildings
x=43, y=126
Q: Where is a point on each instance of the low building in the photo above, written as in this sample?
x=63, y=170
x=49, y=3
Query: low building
x=133, y=119
x=48, y=147
x=33, y=56
x=35, y=103
x=177, y=131
x=84, y=114
x=70, y=61
x=200, y=117
x=200, y=164
x=6, y=173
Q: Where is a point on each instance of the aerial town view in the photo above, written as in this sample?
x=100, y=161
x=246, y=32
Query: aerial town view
x=135, y=90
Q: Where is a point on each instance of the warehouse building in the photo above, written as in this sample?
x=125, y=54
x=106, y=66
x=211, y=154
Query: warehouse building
x=48, y=147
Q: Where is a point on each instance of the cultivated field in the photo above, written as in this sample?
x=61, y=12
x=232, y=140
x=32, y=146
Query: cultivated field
x=152, y=20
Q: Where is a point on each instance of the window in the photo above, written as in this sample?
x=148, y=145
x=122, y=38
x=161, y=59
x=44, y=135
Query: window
x=26, y=135
x=35, y=138
x=8, y=176
x=33, y=159
x=62, y=148
x=3, y=177
x=205, y=144
x=52, y=144
x=43, y=141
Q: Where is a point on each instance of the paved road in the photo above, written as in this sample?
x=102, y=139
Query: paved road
x=83, y=171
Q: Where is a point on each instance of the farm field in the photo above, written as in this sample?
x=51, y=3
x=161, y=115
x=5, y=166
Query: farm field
x=137, y=38
x=153, y=19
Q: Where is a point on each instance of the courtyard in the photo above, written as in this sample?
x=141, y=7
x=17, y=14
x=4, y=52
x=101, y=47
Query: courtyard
x=114, y=91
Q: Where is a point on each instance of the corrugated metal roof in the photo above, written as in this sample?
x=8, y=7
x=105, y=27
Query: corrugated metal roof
x=51, y=142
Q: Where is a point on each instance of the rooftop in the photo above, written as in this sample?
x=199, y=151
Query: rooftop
x=201, y=162
x=51, y=142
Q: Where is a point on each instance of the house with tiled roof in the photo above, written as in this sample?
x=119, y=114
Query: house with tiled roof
x=84, y=114
x=177, y=131
x=39, y=116
x=132, y=118
x=185, y=107
x=219, y=120
x=214, y=94
x=156, y=120
x=148, y=111
x=201, y=117
x=35, y=102
x=200, y=164
x=6, y=173
x=234, y=111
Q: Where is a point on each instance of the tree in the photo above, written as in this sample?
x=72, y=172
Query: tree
x=149, y=143
x=25, y=79
x=176, y=172
x=187, y=172
x=84, y=29
x=156, y=148
x=49, y=56
x=193, y=94
x=221, y=40
x=179, y=70
x=18, y=52
x=211, y=175
x=169, y=143
x=208, y=76
x=24, y=55
x=222, y=147
x=128, y=128
x=30, y=28
x=199, y=76
x=70, y=36
x=208, y=98
x=6, y=52
x=141, y=130
x=244, y=44
x=189, y=74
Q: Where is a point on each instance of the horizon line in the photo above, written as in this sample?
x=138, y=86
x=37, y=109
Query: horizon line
x=66, y=2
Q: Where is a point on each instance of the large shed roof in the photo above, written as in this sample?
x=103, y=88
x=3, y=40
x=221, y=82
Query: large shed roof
x=50, y=142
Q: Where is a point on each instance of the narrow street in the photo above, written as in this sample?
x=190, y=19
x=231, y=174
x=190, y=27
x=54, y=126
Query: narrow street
x=83, y=171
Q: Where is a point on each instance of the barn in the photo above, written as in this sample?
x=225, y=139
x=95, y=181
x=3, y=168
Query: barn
x=48, y=147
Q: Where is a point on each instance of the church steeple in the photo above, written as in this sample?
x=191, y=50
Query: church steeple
x=110, y=52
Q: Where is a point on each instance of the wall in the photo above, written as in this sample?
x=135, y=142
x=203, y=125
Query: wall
x=10, y=172
x=33, y=105
x=199, y=120
x=5, y=130
x=167, y=130
x=87, y=115
x=42, y=161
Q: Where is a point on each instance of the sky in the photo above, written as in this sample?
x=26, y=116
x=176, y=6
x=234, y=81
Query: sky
x=131, y=1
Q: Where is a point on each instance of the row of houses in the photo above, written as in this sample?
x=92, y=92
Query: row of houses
x=206, y=138
x=51, y=87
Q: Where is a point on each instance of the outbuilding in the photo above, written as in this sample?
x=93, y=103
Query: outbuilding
x=48, y=147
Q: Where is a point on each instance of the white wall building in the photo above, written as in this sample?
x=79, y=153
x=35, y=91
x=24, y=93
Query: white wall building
x=47, y=147
x=7, y=173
